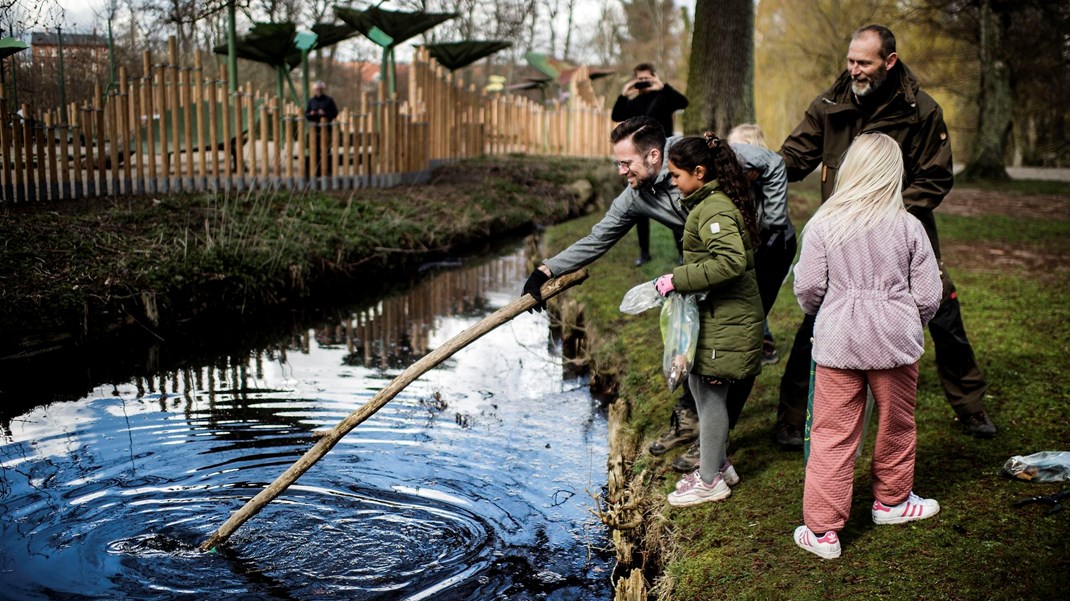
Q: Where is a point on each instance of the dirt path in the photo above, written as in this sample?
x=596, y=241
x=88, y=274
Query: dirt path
x=1045, y=173
x=1049, y=264
x=972, y=203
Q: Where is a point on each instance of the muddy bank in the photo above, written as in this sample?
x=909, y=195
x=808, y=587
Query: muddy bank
x=74, y=273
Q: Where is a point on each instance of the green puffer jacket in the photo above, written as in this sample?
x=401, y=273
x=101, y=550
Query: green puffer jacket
x=719, y=259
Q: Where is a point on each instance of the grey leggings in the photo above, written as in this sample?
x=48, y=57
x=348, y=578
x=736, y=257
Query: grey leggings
x=712, y=423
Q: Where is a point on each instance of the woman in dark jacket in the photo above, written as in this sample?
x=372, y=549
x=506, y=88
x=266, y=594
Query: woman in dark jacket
x=719, y=238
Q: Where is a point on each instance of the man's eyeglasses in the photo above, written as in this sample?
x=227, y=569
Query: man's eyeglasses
x=625, y=164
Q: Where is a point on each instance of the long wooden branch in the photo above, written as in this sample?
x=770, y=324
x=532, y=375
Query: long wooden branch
x=325, y=444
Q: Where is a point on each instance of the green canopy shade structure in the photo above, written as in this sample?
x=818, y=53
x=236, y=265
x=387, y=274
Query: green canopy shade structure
x=329, y=34
x=529, y=84
x=271, y=44
x=9, y=46
x=268, y=43
x=399, y=25
x=560, y=70
x=550, y=67
x=388, y=28
x=455, y=55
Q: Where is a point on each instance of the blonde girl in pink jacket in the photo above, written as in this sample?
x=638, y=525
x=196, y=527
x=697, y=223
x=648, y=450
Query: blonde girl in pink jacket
x=869, y=273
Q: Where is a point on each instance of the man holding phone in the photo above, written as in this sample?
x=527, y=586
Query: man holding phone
x=647, y=96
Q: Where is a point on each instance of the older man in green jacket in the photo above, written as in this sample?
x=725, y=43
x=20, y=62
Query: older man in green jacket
x=879, y=93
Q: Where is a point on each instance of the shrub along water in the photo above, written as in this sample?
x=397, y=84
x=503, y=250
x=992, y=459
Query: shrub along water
x=80, y=270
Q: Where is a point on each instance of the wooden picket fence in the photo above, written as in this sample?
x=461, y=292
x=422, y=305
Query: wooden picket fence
x=178, y=129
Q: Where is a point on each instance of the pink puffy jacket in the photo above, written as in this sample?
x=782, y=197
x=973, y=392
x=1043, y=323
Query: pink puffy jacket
x=872, y=295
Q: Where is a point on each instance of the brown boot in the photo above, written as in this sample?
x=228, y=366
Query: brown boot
x=689, y=461
x=683, y=428
x=979, y=424
x=788, y=437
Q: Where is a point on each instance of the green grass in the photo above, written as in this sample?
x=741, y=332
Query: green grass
x=1025, y=230
x=1023, y=186
x=979, y=547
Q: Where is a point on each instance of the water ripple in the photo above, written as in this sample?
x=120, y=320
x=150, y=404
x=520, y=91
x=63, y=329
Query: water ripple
x=474, y=483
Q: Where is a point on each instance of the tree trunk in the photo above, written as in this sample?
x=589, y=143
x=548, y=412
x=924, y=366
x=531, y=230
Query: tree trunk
x=995, y=105
x=720, y=80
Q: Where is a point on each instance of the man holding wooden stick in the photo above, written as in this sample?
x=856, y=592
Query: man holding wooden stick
x=640, y=149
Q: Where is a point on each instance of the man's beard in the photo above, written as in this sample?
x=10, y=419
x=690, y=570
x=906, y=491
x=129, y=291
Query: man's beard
x=651, y=175
x=870, y=86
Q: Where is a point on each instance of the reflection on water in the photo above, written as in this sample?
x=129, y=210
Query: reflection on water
x=476, y=482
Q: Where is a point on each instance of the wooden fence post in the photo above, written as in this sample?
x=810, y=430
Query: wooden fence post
x=148, y=108
x=289, y=119
x=212, y=98
x=188, y=149
x=66, y=189
x=124, y=125
x=6, y=135
x=39, y=132
x=263, y=133
x=303, y=156
x=27, y=148
x=176, y=109
x=252, y=100
x=101, y=143
x=50, y=139
x=229, y=151
x=239, y=139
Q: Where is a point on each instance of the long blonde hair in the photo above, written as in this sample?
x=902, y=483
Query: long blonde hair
x=869, y=190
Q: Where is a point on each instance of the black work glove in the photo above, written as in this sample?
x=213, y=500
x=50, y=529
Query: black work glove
x=534, y=287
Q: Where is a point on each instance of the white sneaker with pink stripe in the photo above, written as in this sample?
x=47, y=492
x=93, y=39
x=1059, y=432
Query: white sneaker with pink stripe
x=914, y=508
x=826, y=546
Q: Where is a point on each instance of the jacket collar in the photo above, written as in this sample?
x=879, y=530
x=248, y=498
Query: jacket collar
x=691, y=200
x=663, y=179
x=904, y=100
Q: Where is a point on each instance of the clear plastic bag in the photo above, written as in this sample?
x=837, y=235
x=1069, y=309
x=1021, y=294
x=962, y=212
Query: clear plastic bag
x=679, y=331
x=1045, y=466
x=640, y=298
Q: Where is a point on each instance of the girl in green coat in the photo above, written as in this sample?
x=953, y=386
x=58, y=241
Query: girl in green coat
x=719, y=238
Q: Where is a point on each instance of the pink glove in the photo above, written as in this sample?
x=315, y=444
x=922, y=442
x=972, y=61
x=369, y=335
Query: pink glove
x=664, y=284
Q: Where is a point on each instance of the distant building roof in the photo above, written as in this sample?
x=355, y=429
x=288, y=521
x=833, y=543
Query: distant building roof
x=47, y=38
x=367, y=71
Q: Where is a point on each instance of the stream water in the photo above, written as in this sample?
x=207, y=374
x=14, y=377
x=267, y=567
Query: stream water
x=477, y=482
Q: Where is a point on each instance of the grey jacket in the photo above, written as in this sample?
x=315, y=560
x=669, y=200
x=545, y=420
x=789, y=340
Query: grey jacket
x=770, y=189
x=660, y=201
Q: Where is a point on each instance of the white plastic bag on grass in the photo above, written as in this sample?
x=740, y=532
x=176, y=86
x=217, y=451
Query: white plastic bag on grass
x=1045, y=466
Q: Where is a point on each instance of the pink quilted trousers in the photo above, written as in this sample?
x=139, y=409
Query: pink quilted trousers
x=839, y=403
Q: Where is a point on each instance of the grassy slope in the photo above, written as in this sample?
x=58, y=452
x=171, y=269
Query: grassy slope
x=80, y=268
x=978, y=547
